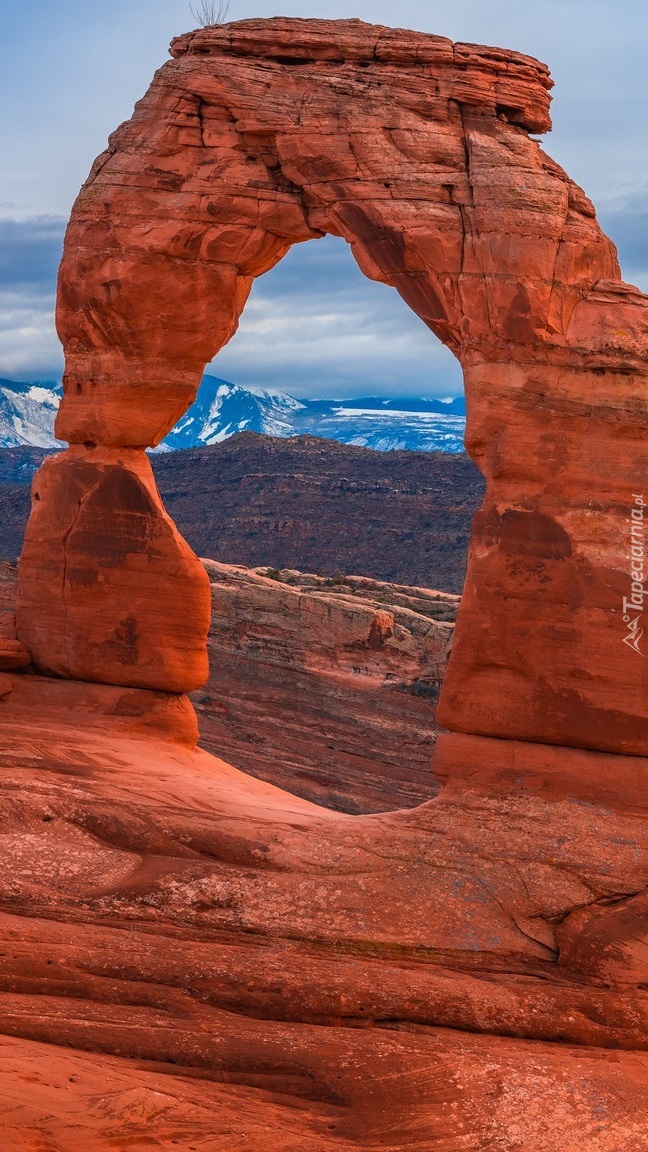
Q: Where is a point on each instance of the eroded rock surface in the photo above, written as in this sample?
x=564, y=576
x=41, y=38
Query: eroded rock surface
x=14, y=656
x=192, y=956
x=109, y=591
x=325, y=687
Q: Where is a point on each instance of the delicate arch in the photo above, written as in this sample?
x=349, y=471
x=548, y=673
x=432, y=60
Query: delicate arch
x=262, y=134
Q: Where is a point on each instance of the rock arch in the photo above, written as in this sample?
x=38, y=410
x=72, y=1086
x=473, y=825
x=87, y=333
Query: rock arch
x=420, y=153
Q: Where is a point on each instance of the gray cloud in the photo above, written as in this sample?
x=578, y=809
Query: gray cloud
x=75, y=73
x=627, y=225
x=315, y=326
x=30, y=251
x=29, y=346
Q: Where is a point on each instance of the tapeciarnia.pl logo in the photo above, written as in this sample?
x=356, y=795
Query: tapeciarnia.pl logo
x=634, y=605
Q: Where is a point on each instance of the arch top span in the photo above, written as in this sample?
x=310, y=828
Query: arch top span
x=266, y=133
x=472, y=73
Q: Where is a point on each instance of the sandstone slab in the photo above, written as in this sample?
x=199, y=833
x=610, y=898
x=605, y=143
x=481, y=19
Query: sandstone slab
x=181, y=938
x=326, y=688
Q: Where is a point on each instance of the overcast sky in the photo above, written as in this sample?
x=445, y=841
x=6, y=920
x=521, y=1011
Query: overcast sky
x=72, y=70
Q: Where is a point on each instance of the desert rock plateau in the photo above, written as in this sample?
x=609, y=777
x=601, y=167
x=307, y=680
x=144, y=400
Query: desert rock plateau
x=265, y=502
x=193, y=957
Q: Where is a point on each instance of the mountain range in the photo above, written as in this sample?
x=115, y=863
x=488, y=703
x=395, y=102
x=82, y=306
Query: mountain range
x=27, y=413
x=221, y=409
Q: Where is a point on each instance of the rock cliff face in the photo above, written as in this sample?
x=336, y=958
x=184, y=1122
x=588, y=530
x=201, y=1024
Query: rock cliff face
x=467, y=975
x=326, y=688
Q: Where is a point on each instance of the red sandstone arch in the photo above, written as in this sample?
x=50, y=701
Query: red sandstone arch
x=261, y=134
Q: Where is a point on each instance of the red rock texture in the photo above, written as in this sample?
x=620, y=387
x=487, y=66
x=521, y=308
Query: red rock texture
x=8, y=593
x=14, y=656
x=326, y=688
x=307, y=693
x=267, y=133
x=98, y=707
x=191, y=955
x=109, y=591
x=468, y=975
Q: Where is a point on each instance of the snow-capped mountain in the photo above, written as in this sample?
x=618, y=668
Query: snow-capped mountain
x=221, y=409
x=417, y=424
x=27, y=412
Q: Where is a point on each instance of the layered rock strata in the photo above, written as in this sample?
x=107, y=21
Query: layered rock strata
x=325, y=687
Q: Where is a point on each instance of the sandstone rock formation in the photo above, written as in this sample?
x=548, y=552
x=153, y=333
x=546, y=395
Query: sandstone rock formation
x=419, y=152
x=467, y=975
x=326, y=688
x=14, y=656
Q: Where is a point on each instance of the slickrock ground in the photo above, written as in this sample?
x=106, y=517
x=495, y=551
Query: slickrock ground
x=325, y=688
x=193, y=959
